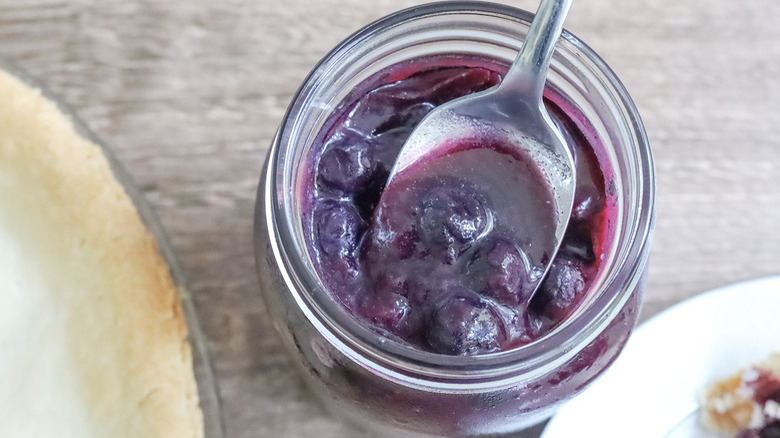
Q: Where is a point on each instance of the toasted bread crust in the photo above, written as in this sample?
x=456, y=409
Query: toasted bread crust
x=92, y=322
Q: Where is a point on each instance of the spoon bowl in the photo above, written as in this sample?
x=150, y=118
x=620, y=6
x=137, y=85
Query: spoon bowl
x=512, y=113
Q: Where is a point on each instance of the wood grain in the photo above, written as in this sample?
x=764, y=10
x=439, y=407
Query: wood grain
x=189, y=94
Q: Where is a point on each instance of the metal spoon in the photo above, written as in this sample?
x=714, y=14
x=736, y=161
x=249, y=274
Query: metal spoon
x=513, y=112
x=689, y=427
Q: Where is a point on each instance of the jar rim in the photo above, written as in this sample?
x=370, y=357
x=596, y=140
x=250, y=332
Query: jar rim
x=354, y=339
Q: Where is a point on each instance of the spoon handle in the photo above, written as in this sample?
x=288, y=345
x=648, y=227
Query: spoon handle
x=529, y=70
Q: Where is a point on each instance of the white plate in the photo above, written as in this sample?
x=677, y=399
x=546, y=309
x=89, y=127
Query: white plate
x=653, y=384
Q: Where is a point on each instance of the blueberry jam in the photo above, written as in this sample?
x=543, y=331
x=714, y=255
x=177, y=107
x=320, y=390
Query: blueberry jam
x=445, y=258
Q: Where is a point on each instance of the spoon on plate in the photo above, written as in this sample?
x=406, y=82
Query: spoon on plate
x=512, y=112
x=689, y=427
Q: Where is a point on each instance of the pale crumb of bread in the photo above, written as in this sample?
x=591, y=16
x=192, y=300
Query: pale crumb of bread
x=92, y=336
x=724, y=407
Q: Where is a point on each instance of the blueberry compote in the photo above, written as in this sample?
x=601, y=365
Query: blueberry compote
x=446, y=258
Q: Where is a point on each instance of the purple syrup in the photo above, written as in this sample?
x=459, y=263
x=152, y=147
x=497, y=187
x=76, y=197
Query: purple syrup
x=446, y=258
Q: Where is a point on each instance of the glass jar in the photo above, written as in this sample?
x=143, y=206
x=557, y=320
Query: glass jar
x=384, y=385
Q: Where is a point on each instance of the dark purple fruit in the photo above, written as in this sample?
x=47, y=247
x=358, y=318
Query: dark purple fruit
x=338, y=227
x=386, y=310
x=345, y=164
x=465, y=325
x=561, y=290
x=453, y=212
x=507, y=274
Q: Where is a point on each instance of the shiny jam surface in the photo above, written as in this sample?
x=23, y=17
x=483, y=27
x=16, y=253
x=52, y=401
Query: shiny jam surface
x=444, y=259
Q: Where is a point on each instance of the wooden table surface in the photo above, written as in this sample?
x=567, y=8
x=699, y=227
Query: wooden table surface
x=189, y=94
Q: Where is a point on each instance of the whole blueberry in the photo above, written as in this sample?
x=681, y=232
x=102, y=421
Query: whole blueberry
x=380, y=106
x=465, y=325
x=588, y=202
x=407, y=117
x=338, y=228
x=532, y=325
x=346, y=163
x=388, y=310
x=561, y=290
x=507, y=276
x=520, y=325
x=453, y=212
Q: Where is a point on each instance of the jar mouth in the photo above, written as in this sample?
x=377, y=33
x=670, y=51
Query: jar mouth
x=355, y=339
